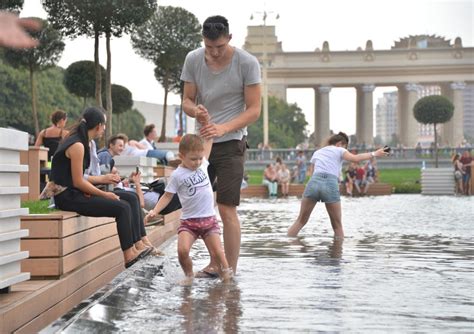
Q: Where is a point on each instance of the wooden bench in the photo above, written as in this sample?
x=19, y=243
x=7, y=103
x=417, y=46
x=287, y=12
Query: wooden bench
x=61, y=242
x=163, y=171
x=262, y=190
x=37, y=159
x=32, y=305
x=375, y=189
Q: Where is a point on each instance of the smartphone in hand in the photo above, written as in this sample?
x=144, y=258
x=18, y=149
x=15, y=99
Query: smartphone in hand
x=387, y=149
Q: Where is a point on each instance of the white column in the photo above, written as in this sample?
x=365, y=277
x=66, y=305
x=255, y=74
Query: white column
x=411, y=130
x=368, y=129
x=402, y=124
x=360, y=116
x=322, y=114
x=453, y=133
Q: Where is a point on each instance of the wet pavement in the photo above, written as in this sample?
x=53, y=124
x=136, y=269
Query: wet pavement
x=406, y=265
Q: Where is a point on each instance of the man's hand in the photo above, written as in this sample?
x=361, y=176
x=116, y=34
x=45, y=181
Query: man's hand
x=201, y=114
x=212, y=130
x=12, y=31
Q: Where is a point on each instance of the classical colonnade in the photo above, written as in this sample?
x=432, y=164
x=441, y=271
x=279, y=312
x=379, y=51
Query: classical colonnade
x=449, y=66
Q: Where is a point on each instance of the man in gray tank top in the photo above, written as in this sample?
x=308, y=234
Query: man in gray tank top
x=222, y=91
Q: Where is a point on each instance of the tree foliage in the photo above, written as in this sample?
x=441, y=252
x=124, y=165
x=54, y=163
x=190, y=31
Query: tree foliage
x=166, y=42
x=45, y=55
x=131, y=123
x=94, y=18
x=79, y=78
x=121, y=99
x=286, y=126
x=11, y=5
x=433, y=109
x=15, y=97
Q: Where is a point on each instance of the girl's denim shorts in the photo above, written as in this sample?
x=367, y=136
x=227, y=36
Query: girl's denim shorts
x=323, y=187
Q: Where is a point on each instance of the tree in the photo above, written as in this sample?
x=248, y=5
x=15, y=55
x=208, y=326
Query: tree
x=94, y=18
x=79, y=79
x=132, y=123
x=165, y=40
x=433, y=109
x=122, y=101
x=11, y=5
x=286, y=128
x=46, y=55
x=15, y=98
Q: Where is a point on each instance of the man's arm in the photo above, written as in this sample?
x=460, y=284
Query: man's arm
x=190, y=107
x=252, y=94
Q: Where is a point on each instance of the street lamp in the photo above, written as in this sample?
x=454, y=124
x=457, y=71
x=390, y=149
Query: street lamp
x=264, y=74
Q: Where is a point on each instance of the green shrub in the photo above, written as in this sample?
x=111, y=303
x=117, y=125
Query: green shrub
x=37, y=207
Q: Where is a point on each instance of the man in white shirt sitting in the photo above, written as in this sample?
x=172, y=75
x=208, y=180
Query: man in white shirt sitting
x=150, y=136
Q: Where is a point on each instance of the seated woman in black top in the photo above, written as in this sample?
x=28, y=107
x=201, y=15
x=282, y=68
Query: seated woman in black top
x=67, y=169
x=51, y=136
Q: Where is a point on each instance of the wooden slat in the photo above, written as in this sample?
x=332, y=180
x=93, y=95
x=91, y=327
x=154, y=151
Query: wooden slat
x=262, y=191
x=41, y=228
x=82, y=239
x=64, y=246
x=42, y=247
x=33, y=308
x=67, y=304
x=84, y=255
x=81, y=223
x=42, y=267
x=16, y=315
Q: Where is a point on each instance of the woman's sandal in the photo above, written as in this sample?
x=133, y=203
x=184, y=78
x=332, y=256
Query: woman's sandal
x=132, y=262
x=147, y=251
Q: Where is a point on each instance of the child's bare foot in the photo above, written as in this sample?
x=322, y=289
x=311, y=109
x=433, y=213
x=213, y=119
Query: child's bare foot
x=188, y=281
x=227, y=275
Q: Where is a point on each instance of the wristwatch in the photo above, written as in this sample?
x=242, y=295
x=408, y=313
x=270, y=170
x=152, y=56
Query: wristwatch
x=372, y=154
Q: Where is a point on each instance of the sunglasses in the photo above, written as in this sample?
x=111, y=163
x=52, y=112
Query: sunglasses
x=214, y=26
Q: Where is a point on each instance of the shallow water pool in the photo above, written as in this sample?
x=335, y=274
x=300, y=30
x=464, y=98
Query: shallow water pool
x=406, y=264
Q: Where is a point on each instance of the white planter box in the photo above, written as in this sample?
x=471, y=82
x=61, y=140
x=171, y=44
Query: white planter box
x=437, y=181
x=11, y=143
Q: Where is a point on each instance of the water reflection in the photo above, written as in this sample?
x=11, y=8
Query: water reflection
x=407, y=268
x=214, y=309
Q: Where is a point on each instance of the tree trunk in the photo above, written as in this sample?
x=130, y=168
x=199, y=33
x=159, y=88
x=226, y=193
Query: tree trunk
x=181, y=114
x=98, y=74
x=436, y=146
x=108, y=88
x=33, y=101
x=163, y=125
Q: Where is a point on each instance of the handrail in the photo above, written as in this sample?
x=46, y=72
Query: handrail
x=396, y=153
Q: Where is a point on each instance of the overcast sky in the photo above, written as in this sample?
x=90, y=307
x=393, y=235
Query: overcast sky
x=303, y=26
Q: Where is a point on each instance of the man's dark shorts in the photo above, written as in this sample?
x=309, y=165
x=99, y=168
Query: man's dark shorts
x=227, y=165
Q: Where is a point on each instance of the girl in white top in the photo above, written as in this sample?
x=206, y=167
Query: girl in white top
x=324, y=183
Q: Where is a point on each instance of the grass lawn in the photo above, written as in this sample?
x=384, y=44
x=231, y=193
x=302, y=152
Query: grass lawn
x=405, y=181
x=37, y=207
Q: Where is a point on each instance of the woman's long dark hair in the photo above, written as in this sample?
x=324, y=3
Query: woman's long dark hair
x=91, y=117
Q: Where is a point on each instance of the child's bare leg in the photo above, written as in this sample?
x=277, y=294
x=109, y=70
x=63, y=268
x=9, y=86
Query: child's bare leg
x=214, y=245
x=185, y=241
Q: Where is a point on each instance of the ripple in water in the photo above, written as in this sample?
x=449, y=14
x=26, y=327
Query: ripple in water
x=406, y=264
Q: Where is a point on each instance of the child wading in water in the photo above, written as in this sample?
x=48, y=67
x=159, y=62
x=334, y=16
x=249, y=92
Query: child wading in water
x=191, y=182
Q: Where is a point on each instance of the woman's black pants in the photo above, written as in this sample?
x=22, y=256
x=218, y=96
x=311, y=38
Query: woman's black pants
x=94, y=206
